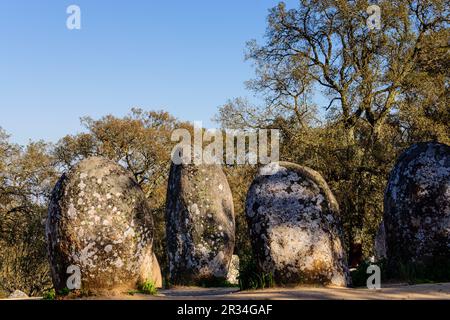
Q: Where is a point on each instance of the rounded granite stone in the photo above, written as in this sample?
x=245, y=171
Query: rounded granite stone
x=200, y=224
x=99, y=222
x=294, y=227
x=417, y=208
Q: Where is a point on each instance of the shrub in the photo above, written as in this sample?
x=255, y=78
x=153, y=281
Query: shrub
x=360, y=275
x=251, y=279
x=437, y=270
x=148, y=287
x=49, y=295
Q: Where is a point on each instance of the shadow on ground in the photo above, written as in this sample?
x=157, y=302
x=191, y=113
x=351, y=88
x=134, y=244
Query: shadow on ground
x=393, y=292
x=440, y=291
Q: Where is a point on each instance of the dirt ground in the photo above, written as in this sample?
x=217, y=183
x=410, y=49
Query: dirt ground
x=393, y=292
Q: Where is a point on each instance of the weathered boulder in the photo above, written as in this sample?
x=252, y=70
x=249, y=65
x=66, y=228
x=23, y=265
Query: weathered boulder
x=294, y=227
x=18, y=295
x=233, y=270
x=99, y=228
x=417, y=208
x=156, y=273
x=200, y=224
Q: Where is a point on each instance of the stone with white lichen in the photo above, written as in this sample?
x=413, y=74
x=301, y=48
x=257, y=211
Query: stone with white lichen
x=294, y=227
x=18, y=295
x=200, y=224
x=99, y=221
x=156, y=273
x=233, y=271
x=417, y=208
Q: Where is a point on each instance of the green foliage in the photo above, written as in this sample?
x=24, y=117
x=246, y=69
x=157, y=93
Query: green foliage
x=360, y=276
x=26, y=178
x=251, y=279
x=49, y=295
x=148, y=287
x=437, y=270
x=64, y=292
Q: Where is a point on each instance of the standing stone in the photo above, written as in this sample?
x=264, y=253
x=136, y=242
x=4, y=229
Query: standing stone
x=233, y=271
x=294, y=227
x=200, y=224
x=99, y=223
x=18, y=295
x=156, y=273
x=380, y=243
x=417, y=208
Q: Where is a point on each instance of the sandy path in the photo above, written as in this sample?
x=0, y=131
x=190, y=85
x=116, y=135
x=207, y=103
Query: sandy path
x=393, y=292
x=399, y=292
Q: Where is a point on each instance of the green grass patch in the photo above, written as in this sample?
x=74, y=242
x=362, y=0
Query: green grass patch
x=148, y=288
x=251, y=279
x=49, y=295
x=437, y=270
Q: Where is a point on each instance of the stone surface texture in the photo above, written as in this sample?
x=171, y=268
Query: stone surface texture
x=417, y=207
x=99, y=221
x=295, y=227
x=200, y=224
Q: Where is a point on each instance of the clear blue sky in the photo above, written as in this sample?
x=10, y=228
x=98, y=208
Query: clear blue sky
x=186, y=57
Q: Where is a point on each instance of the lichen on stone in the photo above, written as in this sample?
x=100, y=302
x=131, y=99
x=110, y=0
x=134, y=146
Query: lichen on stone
x=417, y=207
x=294, y=227
x=109, y=246
x=200, y=224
